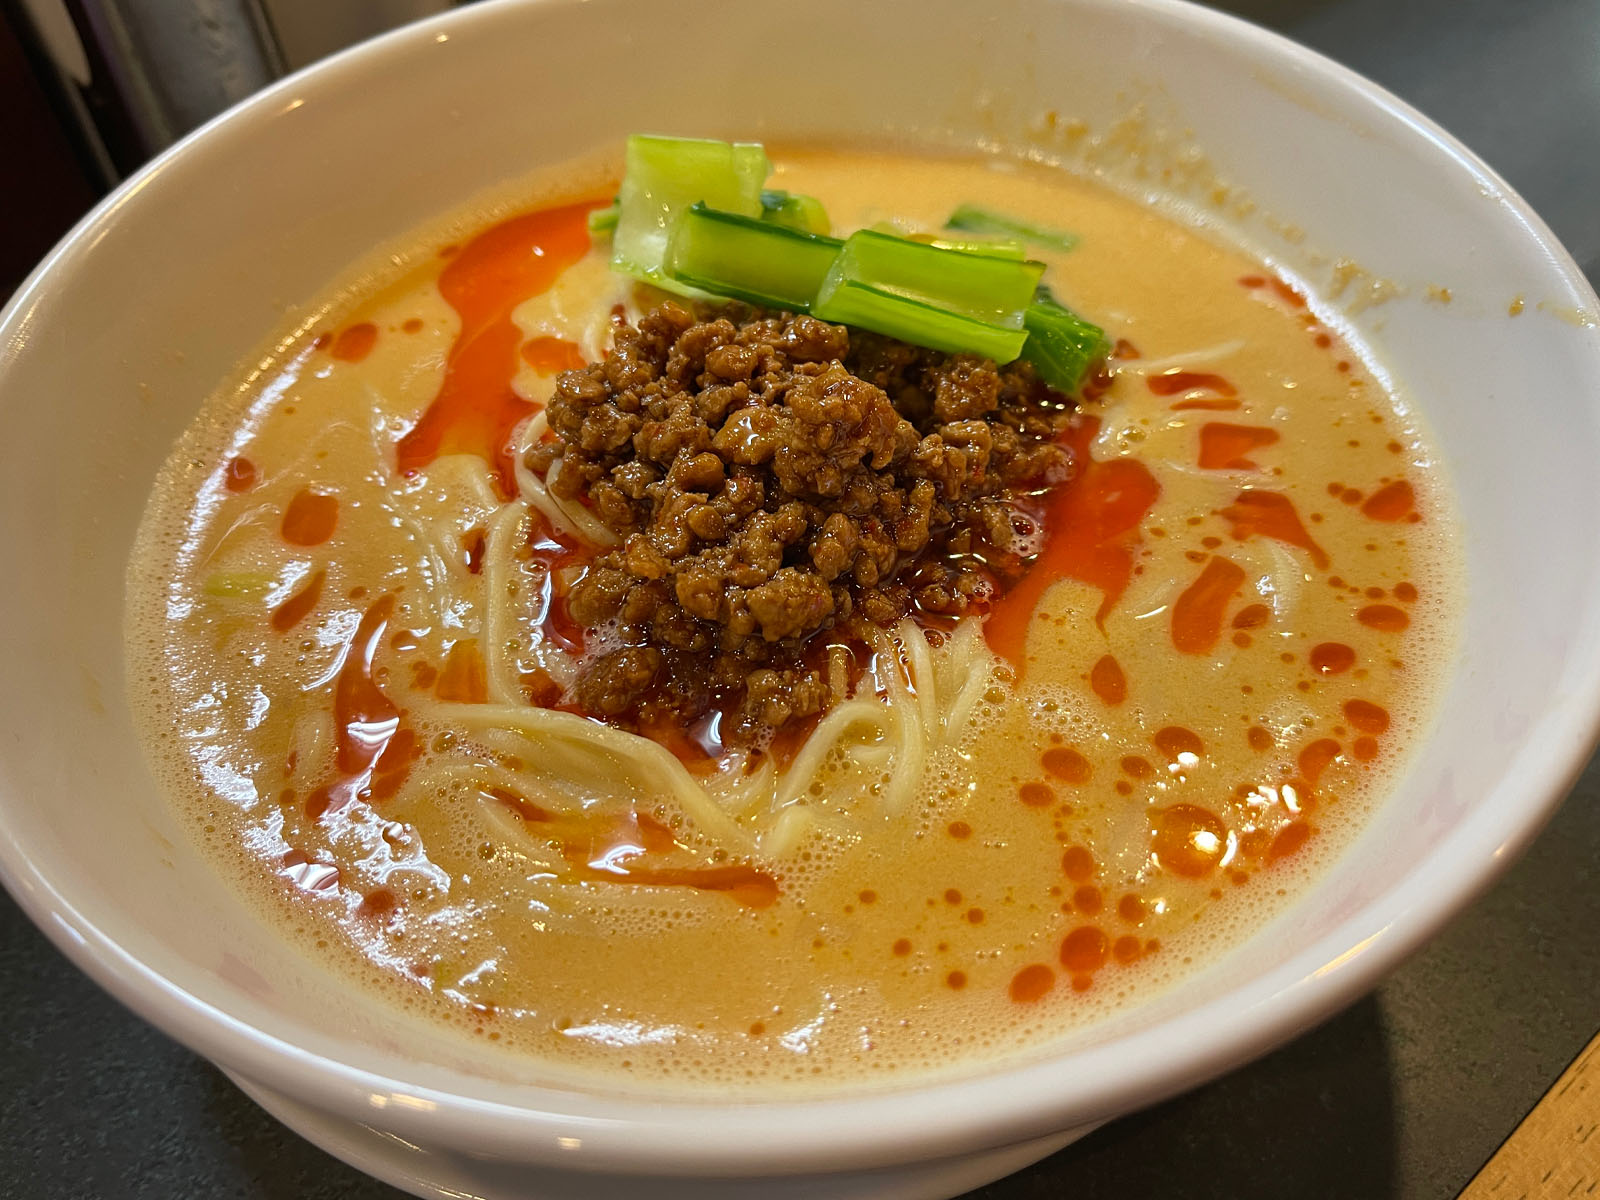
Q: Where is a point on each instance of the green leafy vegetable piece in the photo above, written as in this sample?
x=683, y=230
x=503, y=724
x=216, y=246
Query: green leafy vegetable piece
x=993, y=247
x=946, y=299
x=866, y=307
x=969, y=218
x=978, y=286
x=1014, y=251
x=749, y=259
x=1061, y=344
x=663, y=176
x=604, y=220
x=793, y=210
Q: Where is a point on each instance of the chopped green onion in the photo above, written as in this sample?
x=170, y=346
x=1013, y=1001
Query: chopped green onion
x=848, y=302
x=662, y=178
x=604, y=220
x=795, y=211
x=981, y=288
x=969, y=218
x=1061, y=344
x=753, y=260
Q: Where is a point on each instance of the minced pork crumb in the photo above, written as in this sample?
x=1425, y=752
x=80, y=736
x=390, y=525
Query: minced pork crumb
x=778, y=484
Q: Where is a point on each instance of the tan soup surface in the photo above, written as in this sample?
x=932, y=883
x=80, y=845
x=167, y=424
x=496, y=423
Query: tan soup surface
x=1190, y=706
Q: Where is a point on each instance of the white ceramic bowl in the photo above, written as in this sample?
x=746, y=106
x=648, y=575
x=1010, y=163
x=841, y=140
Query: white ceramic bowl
x=109, y=347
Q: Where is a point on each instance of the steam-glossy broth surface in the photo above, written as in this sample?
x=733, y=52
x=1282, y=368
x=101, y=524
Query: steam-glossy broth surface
x=1211, y=679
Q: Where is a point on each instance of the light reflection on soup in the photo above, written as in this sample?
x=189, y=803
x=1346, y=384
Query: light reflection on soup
x=1186, y=709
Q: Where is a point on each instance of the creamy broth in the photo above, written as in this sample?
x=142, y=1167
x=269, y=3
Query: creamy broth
x=1182, y=714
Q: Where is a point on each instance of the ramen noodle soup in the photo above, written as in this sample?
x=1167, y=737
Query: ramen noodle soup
x=380, y=674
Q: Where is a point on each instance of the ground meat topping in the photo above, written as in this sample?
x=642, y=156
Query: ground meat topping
x=774, y=484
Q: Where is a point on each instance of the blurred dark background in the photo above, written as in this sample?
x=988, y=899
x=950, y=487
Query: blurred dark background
x=90, y=89
x=1402, y=1097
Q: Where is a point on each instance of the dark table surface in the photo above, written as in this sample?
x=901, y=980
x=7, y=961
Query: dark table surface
x=1404, y=1096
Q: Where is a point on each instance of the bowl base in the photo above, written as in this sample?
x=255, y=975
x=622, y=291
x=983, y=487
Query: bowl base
x=440, y=1174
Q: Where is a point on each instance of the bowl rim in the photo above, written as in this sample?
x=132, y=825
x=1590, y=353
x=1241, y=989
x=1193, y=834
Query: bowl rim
x=932, y=1120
